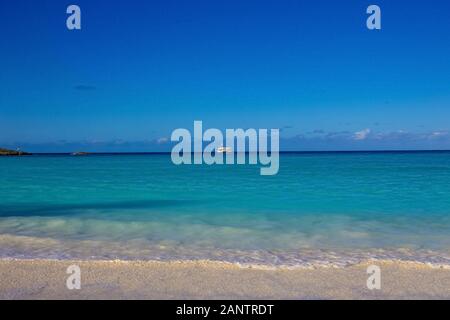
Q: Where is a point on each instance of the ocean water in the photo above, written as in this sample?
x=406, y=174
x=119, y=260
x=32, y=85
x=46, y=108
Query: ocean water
x=321, y=208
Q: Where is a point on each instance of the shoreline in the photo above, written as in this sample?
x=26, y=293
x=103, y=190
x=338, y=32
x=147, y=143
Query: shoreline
x=239, y=265
x=18, y=247
x=124, y=279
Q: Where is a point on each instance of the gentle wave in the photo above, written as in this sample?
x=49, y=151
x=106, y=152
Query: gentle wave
x=22, y=247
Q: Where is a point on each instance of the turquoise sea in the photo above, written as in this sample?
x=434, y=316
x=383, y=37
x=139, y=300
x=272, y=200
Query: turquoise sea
x=321, y=208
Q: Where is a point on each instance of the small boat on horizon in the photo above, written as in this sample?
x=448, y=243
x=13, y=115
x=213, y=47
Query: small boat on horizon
x=79, y=153
x=224, y=150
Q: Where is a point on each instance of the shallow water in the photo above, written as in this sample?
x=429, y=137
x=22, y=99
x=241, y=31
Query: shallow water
x=321, y=208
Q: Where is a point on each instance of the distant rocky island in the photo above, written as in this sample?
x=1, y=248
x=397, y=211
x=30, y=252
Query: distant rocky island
x=7, y=152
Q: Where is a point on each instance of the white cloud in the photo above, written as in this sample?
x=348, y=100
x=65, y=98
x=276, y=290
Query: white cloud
x=361, y=135
x=162, y=140
x=438, y=134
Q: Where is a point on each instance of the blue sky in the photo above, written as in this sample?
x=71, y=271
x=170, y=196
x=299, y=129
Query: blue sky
x=139, y=69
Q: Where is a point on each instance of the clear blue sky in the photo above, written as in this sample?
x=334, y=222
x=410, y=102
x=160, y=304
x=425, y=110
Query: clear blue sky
x=139, y=69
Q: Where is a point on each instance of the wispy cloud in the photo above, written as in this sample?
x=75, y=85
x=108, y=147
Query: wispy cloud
x=162, y=140
x=361, y=135
x=368, y=139
x=439, y=134
x=316, y=140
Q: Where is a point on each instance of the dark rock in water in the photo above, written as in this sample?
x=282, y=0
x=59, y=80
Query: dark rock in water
x=6, y=152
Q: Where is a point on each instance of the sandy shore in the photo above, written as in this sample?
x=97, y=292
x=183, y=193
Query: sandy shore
x=46, y=279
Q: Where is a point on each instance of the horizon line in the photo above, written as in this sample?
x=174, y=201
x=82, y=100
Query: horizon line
x=247, y=152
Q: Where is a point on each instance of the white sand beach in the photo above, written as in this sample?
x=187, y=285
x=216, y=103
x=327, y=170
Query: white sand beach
x=46, y=279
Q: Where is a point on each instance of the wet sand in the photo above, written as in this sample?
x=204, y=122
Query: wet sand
x=46, y=279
